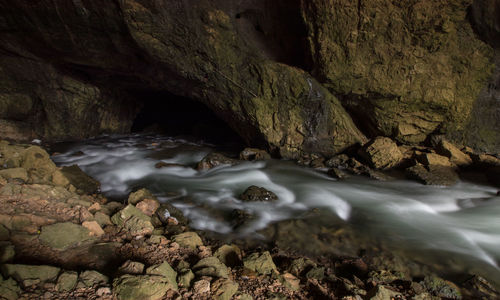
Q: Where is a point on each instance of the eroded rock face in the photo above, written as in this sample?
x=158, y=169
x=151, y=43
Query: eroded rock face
x=76, y=68
x=402, y=70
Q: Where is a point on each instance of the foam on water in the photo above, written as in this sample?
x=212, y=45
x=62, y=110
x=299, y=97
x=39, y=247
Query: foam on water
x=463, y=219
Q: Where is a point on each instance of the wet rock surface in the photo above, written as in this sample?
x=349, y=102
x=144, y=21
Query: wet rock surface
x=255, y=193
x=135, y=257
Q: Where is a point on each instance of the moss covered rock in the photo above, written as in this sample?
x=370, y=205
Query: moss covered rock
x=61, y=236
x=147, y=287
x=262, y=263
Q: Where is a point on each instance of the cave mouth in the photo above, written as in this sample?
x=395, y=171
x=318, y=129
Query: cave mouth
x=171, y=115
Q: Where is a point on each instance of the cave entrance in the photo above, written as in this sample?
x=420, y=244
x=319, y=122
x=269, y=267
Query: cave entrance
x=168, y=114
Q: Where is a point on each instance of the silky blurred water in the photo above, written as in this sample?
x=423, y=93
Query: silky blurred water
x=460, y=224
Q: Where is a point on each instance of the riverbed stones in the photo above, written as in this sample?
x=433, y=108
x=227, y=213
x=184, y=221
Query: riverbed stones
x=432, y=175
x=252, y=154
x=94, y=228
x=224, y=289
x=381, y=292
x=61, y=236
x=140, y=195
x=148, y=206
x=133, y=220
x=257, y=194
x=67, y=281
x=166, y=211
x=456, y=156
x=441, y=288
x=213, y=160
x=83, y=183
x=164, y=269
x=186, y=276
x=230, y=255
x=189, y=240
x=145, y=287
x=261, y=263
x=91, y=278
x=29, y=275
x=433, y=159
x=211, y=266
x=381, y=153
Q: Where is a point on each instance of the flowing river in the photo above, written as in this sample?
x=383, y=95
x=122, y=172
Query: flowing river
x=457, y=227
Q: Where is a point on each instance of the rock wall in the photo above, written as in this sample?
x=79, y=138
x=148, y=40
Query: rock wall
x=273, y=71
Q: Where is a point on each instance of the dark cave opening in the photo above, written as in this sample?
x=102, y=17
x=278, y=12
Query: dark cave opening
x=276, y=30
x=168, y=114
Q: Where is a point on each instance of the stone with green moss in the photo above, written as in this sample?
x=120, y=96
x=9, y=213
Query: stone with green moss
x=140, y=195
x=186, y=276
x=230, y=255
x=30, y=273
x=145, y=287
x=188, y=240
x=61, y=236
x=441, y=288
x=262, y=263
x=164, y=269
x=9, y=289
x=211, y=266
x=224, y=289
x=133, y=220
x=67, y=281
x=92, y=278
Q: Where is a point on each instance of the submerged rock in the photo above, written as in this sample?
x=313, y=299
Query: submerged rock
x=255, y=193
x=213, y=160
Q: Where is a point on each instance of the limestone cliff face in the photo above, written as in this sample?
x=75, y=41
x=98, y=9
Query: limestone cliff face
x=273, y=70
x=404, y=69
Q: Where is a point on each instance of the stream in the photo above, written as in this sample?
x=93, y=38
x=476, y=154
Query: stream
x=454, y=227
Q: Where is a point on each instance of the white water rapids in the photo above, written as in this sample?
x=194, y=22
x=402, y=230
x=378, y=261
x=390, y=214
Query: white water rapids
x=461, y=222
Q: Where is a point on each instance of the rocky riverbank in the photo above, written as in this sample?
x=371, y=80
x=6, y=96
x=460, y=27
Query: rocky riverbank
x=60, y=239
